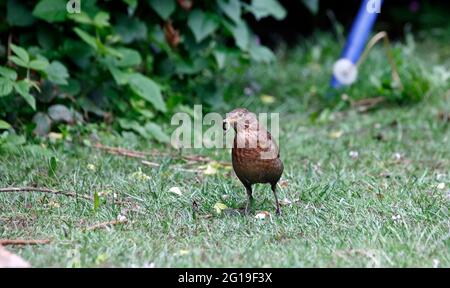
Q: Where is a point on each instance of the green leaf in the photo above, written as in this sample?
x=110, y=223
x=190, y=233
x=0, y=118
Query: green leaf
x=16, y=60
x=191, y=67
x=23, y=88
x=101, y=20
x=135, y=126
x=39, y=64
x=164, y=8
x=119, y=76
x=261, y=53
x=82, y=18
x=51, y=10
x=17, y=14
x=129, y=58
x=96, y=201
x=57, y=73
x=130, y=29
x=6, y=86
x=60, y=113
x=220, y=57
x=13, y=139
x=231, y=8
x=241, y=34
x=312, y=5
x=8, y=73
x=202, y=24
x=131, y=3
x=148, y=90
x=72, y=88
x=21, y=53
x=4, y=125
x=88, y=39
x=108, y=50
x=264, y=8
x=52, y=166
x=43, y=124
x=157, y=133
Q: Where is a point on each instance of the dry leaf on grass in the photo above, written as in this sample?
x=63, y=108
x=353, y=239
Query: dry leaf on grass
x=285, y=202
x=353, y=154
x=91, y=167
x=139, y=176
x=214, y=167
x=283, y=183
x=336, y=134
x=267, y=99
x=220, y=207
x=176, y=190
x=210, y=170
x=183, y=252
x=262, y=215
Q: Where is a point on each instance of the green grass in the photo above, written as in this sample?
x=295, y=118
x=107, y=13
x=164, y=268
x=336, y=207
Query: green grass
x=381, y=209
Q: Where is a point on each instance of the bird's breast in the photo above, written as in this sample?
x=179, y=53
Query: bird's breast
x=250, y=167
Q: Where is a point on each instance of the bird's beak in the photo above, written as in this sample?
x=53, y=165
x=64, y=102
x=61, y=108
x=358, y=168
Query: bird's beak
x=225, y=125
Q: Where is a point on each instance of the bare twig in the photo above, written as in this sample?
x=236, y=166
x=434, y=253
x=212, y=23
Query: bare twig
x=51, y=191
x=151, y=164
x=364, y=105
x=8, y=53
x=5, y=242
x=43, y=190
x=105, y=224
x=143, y=155
x=121, y=151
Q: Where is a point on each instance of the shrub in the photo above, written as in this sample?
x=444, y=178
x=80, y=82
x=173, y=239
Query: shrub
x=131, y=61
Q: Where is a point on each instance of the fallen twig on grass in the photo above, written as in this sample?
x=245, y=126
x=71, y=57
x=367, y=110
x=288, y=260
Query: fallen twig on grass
x=105, y=224
x=191, y=159
x=43, y=190
x=143, y=155
x=128, y=152
x=52, y=191
x=364, y=105
x=121, y=151
x=151, y=164
x=4, y=242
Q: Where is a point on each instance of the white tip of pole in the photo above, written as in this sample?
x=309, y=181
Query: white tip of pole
x=345, y=71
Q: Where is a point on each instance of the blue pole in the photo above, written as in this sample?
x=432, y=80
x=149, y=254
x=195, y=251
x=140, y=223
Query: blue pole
x=360, y=31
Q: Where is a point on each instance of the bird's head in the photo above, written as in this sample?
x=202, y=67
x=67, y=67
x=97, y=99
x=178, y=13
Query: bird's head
x=237, y=117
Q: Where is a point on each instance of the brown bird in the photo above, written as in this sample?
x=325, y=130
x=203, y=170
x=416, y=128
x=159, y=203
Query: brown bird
x=255, y=155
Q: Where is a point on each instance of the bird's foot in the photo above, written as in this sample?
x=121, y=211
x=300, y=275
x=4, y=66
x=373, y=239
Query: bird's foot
x=249, y=205
x=248, y=209
x=278, y=211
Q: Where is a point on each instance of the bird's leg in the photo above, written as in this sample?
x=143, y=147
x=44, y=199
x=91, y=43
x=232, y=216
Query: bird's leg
x=274, y=187
x=249, y=205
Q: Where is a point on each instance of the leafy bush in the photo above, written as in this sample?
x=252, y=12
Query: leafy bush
x=131, y=61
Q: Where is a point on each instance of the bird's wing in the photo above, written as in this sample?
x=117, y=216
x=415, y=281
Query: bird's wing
x=267, y=145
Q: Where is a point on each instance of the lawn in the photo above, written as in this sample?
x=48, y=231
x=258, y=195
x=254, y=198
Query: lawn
x=368, y=189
